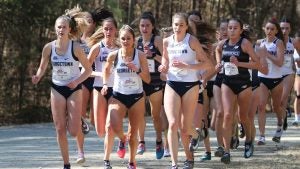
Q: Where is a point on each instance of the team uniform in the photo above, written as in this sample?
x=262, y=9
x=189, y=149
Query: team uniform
x=287, y=67
x=128, y=85
x=88, y=83
x=236, y=78
x=156, y=83
x=65, y=70
x=274, y=76
x=181, y=80
x=99, y=66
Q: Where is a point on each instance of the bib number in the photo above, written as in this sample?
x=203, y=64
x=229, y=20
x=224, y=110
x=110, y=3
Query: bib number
x=61, y=73
x=230, y=69
x=151, y=65
x=129, y=84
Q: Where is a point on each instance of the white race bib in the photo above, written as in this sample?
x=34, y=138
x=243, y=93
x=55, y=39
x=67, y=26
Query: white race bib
x=129, y=84
x=230, y=69
x=151, y=65
x=61, y=73
x=287, y=61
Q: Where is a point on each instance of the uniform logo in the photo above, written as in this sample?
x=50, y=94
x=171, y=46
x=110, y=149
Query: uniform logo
x=55, y=58
x=236, y=47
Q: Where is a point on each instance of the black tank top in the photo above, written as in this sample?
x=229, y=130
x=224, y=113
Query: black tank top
x=236, y=50
x=155, y=76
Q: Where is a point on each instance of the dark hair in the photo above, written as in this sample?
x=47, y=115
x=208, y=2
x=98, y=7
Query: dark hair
x=285, y=19
x=99, y=14
x=279, y=34
x=245, y=34
x=148, y=15
x=194, y=12
x=205, y=32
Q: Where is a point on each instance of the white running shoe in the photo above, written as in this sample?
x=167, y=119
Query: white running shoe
x=80, y=158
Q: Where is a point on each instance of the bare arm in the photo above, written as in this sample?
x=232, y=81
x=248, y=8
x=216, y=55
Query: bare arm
x=278, y=59
x=164, y=67
x=158, y=43
x=79, y=53
x=43, y=64
x=144, y=72
x=95, y=50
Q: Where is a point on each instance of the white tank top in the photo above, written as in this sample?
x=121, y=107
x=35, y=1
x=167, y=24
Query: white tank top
x=296, y=57
x=126, y=81
x=274, y=70
x=99, y=65
x=287, y=67
x=65, y=68
x=183, y=52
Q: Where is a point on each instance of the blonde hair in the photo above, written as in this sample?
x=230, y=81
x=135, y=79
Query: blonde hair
x=77, y=21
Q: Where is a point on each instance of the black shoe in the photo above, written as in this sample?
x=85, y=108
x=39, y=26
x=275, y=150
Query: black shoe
x=188, y=164
x=194, y=142
x=289, y=112
x=225, y=158
x=107, y=164
x=219, y=152
x=242, y=131
x=249, y=148
x=84, y=126
x=285, y=124
x=67, y=166
x=234, y=143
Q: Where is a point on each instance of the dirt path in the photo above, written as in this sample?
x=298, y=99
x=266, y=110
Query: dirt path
x=34, y=147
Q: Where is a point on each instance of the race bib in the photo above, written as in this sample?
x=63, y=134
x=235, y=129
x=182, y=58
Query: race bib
x=287, y=61
x=230, y=69
x=129, y=84
x=151, y=65
x=61, y=73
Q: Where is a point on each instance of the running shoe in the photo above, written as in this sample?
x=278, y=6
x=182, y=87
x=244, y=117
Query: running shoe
x=159, y=150
x=67, y=166
x=107, y=164
x=261, y=140
x=235, y=142
x=80, y=158
x=206, y=156
x=174, y=167
x=84, y=126
x=277, y=136
x=188, y=164
x=194, y=142
x=219, y=152
x=225, y=158
x=166, y=153
x=242, y=131
x=295, y=123
x=285, y=123
x=249, y=148
x=141, y=149
x=121, y=149
x=131, y=166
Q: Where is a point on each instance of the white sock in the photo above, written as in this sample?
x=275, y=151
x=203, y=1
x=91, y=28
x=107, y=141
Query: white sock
x=297, y=117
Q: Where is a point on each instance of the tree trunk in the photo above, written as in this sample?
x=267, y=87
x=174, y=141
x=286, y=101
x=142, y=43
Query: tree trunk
x=130, y=11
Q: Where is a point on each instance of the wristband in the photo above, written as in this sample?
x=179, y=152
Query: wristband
x=105, y=84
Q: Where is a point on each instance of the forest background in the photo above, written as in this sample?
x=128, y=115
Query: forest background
x=27, y=25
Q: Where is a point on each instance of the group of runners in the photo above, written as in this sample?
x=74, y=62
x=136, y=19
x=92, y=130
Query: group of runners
x=193, y=76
